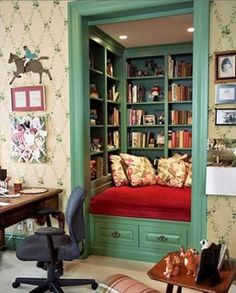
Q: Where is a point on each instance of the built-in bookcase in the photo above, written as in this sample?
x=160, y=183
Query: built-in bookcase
x=105, y=101
x=159, y=101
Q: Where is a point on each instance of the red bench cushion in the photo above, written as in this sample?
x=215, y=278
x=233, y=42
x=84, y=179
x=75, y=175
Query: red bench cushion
x=153, y=202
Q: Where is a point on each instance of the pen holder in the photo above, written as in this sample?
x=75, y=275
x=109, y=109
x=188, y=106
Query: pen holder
x=17, y=187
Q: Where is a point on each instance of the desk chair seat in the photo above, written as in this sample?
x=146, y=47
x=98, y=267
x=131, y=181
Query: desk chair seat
x=52, y=246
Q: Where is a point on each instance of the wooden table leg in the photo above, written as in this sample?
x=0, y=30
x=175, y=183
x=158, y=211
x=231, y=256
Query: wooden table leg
x=2, y=239
x=179, y=289
x=169, y=288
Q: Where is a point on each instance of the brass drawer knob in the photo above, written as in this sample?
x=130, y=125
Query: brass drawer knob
x=115, y=234
x=162, y=238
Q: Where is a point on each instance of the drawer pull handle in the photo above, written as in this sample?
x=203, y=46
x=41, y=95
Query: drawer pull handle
x=115, y=234
x=162, y=238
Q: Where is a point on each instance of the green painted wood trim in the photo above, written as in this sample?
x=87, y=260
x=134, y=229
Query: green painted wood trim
x=91, y=7
x=200, y=118
x=77, y=30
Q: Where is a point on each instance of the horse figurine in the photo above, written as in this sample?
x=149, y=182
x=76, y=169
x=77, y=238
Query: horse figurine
x=33, y=65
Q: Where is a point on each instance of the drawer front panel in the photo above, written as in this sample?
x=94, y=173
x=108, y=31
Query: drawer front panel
x=159, y=237
x=115, y=234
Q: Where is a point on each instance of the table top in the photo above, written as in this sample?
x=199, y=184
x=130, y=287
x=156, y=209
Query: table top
x=26, y=198
x=187, y=281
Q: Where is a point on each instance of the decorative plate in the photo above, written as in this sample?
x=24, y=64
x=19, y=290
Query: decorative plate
x=33, y=190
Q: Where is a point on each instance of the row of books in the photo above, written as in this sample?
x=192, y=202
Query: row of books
x=181, y=117
x=135, y=93
x=113, y=139
x=179, y=92
x=135, y=116
x=179, y=139
x=113, y=116
x=178, y=68
x=146, y=139
x=96, y=168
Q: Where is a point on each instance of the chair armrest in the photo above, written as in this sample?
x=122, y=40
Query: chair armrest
x=45, y=214
x=49, y=231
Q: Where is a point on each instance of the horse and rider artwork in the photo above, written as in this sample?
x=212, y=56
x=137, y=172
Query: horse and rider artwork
x=29, y=62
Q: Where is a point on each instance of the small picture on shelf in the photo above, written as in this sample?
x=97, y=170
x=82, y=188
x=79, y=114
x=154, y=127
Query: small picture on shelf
x=149, y=120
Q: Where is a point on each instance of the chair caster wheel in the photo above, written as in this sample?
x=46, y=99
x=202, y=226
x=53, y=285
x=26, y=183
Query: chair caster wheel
x=94, y=286
x=15, y=284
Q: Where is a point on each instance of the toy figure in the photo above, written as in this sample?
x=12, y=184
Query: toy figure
x=190, y=262
x=28, y=56
x=155, y=92
x=172, y=265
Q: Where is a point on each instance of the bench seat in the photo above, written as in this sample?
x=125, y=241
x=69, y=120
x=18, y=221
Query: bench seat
x=152, y=202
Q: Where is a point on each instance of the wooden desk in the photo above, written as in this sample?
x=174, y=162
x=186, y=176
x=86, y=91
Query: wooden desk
x=26, y=206
x=184, y=280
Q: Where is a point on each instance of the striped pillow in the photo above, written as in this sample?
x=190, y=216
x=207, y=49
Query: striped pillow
x=119, y=283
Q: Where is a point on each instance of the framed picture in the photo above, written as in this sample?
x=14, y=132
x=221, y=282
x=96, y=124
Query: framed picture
x=225, y=66
x=149, y=120
x=28, y=98
x=225, y=116
x=225, y=94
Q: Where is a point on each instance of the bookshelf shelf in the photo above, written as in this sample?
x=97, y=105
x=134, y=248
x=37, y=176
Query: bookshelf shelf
x=146, y=126
x=145, y=77
x=95, y=71
x=112, y=77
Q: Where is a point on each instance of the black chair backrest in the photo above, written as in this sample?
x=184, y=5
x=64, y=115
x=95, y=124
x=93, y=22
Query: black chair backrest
x=75, y=214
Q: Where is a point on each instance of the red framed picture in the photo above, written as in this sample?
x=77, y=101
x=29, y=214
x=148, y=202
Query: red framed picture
x=28, y=98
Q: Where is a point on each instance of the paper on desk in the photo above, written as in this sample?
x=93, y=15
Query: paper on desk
x=3, y=204
x=9, y=195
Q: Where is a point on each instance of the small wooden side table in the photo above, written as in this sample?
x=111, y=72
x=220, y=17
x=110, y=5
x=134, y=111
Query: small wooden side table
x=187, y=281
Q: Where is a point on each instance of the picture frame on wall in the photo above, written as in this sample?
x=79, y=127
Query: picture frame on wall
x=225, y=116
x=225, y=94
x=225, y=66
x=28, y=98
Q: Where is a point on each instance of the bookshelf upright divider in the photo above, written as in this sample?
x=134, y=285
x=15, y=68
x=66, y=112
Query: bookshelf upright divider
x=105, y=105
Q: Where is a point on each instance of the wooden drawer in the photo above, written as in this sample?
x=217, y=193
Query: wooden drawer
x=164, y=237
x=110, y=233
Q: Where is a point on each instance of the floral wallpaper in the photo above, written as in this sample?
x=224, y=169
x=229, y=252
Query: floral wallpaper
x=42, y=27
x=221, y=211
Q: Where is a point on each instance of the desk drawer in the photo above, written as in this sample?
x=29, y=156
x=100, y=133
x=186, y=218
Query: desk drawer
x=115, y=234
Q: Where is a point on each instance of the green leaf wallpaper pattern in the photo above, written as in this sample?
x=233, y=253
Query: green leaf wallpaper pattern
x=42, y=26
x=221, y=210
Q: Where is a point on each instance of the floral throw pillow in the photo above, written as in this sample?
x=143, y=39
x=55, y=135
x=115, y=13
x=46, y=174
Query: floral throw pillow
x=139, y=170
x=118, y=173
x=172, y=171
x=188, y=181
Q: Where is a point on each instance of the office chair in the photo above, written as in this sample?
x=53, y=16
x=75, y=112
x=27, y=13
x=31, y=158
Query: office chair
x=52, y=246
